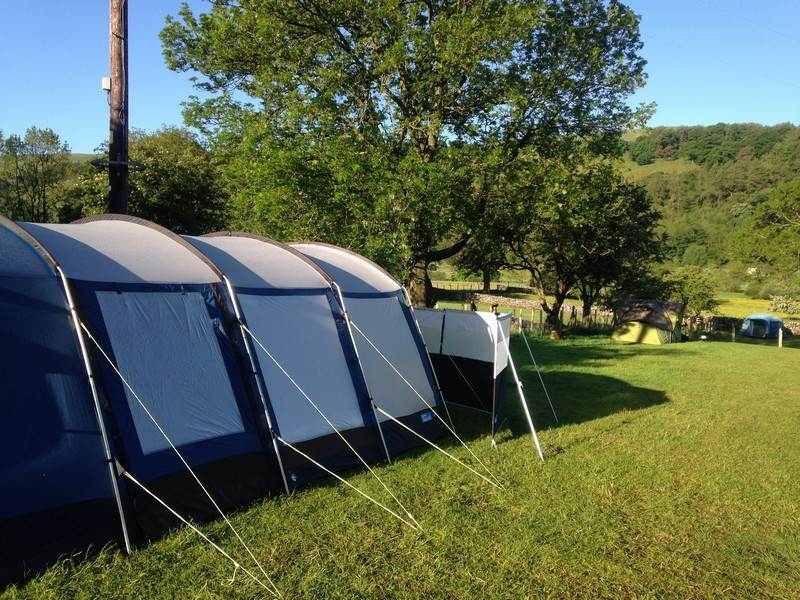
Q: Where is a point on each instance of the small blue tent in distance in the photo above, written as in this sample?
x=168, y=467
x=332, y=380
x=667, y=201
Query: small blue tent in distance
x=761, y=325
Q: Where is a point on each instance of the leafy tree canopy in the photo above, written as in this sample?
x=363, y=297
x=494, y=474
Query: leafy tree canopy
x=589, y=228
x=32, y=167
x=695, y=287
x=179, y=188
x=385, y=126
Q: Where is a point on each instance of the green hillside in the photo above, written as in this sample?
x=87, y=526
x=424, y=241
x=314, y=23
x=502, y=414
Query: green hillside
x=715, y=186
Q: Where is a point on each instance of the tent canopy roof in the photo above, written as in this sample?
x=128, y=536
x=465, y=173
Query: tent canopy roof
x=254, y=262
x=657, y=313
x=355, y=274
x=122, y=250
x=763, y=317
x=18, y=257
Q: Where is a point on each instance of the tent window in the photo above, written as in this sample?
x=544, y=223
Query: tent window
x=166, y=346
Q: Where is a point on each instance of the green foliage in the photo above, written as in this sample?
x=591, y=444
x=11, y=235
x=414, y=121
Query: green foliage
x=671, y=475
x=584, y=227
x=711, y=145
x=773, y=232
x=179, y=188
x=642, y=150
x=388, y=126
x=785, y=304
x=695, y=287
x=32, y=167
x=709, y=207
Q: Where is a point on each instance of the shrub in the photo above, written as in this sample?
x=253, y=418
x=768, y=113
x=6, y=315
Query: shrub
x=785, y=304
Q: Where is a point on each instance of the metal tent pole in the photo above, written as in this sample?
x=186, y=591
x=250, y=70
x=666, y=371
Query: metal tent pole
x=428, y=355
x=522, y=395
x=361, y=368
x=254, y=370
x=98, y=410
x=494, y=384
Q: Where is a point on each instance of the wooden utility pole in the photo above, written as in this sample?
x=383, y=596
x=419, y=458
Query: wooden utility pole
x=118, y=108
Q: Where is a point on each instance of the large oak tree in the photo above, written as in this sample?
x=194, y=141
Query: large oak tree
x=386, y=125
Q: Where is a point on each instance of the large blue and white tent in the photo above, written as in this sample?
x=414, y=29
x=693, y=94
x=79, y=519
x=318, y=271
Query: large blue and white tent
x=150, y=379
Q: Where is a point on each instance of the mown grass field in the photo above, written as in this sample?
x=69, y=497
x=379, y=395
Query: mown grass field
x=673, y=474
x=669, y=167
x=739, y=305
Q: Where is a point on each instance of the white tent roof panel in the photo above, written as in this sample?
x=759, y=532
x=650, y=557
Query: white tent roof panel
x=120, y=252
x=300, y=332
x=384, y=322
x=467, y=334
x=254, y=263
x=354, y=274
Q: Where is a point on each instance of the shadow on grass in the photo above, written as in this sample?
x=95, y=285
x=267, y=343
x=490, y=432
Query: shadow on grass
x=789, y=341
x=577, y=397
x=553, y=354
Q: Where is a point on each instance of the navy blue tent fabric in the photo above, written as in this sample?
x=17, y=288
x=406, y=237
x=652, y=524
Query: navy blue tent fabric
x=761, y=325
x=56, y=494
x=171, y=344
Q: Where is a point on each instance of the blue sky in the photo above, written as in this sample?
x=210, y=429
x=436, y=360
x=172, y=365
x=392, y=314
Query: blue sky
x=709, y=61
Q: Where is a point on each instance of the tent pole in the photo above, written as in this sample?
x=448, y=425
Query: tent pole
x=361, y=368
x=522, y=396
x=200, y=533
x=254, y=370
x=428, y=355
x=98, y=411
x=539, y=373
x=421, y=397
x=494, y=385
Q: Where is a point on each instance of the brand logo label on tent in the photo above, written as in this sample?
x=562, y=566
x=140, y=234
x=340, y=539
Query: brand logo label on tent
x=426, y=417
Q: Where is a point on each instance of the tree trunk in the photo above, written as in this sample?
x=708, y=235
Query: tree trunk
x=587, y=307
x=487, y=280
x=553, y=312
x=420, y=287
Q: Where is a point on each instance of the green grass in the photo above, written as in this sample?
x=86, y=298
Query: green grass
x=673, y=474
x=738, y=305
x=669, y=167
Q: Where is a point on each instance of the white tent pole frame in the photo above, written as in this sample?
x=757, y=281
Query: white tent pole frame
x=200, y=533
x=361, y=369
x=410, y=306
x=538, y=372
x=98, y=411
x=177, y=452
x=522, y=395
x=443, y=451
x=494, y=384
x=254, y=370
x=330, y=424
x=350, y=485
x=432, y=409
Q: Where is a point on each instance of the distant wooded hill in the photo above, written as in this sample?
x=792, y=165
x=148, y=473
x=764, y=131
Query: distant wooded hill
x=709, y=182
